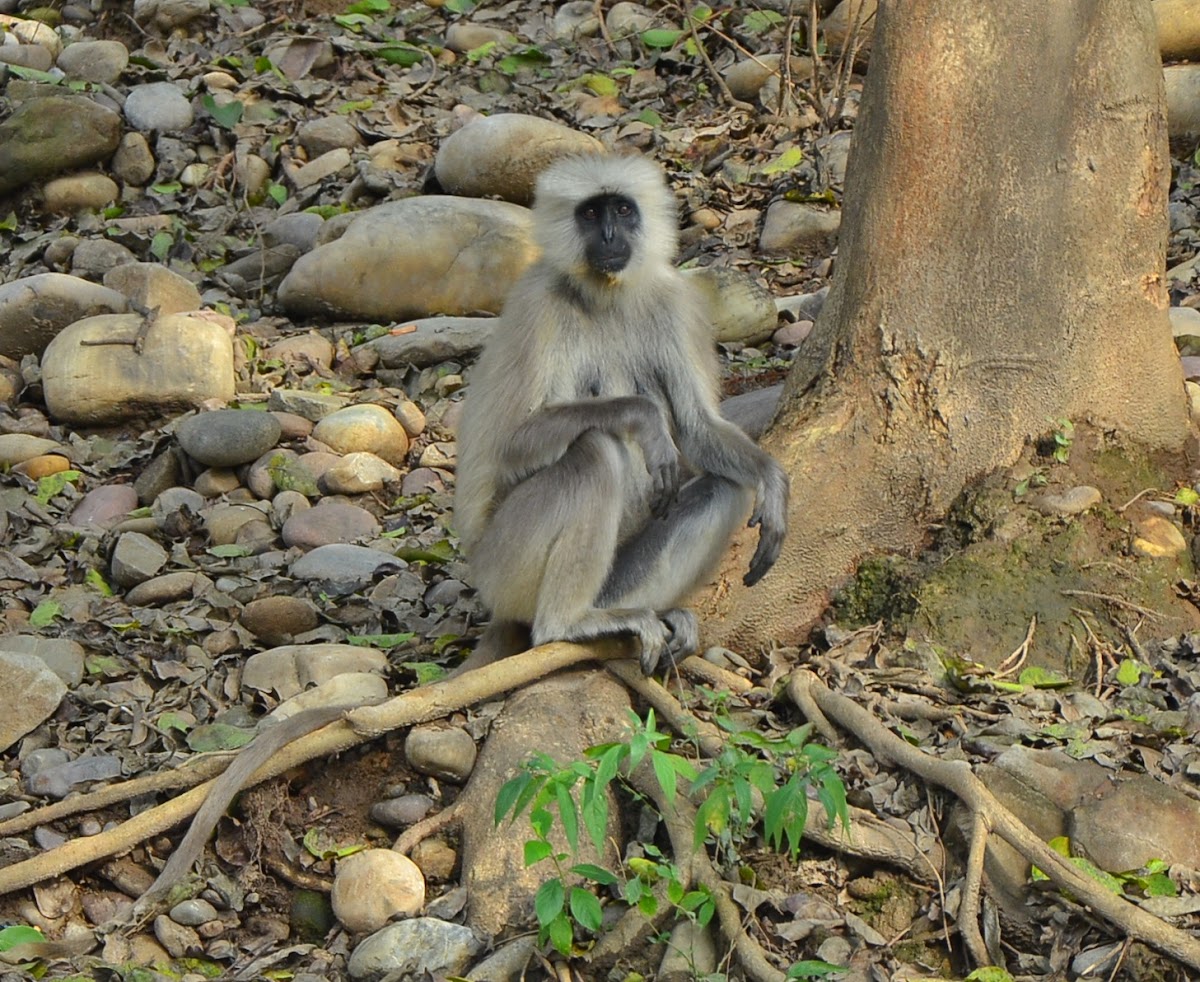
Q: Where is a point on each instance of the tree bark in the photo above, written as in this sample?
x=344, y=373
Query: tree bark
x=1001, y=265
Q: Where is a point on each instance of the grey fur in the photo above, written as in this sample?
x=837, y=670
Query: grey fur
x=593, y=400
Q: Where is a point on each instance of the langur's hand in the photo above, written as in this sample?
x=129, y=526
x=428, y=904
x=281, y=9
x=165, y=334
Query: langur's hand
x=770, y=515
x=662, y=462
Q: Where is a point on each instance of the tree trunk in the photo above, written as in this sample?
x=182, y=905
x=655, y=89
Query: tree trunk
x=1001, y=266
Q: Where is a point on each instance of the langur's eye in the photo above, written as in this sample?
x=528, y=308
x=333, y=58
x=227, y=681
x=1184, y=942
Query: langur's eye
x=624, y=210
x=589, y=214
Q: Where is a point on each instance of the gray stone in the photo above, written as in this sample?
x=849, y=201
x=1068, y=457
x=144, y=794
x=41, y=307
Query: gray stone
x=58, y=782
x=54, y=133
x=31, y=692
x=503, y=154
x=329, y=522
x=463, y=36
x=104, y=506
x=154, y=287
x=224, y=522
x=16, y=448
x=215, y=482
x=27, y=56
x=79, y=192
x=798, y=228
x=166, y=15
x=432, y=340
x=1073, y=501
x=228, y=437
x=359, y=473
x=159, y=590
x=576, y=19
x=365, y=427
x=136, y=558
x=1138, y=820
x=94, y=61
x=414, y=948
x=290, y=669
x=445, y=752
x=133, y=163
x=402, y=811
x=176, y=510
x=298, y=229
x=412, y=258
x=1182, y=83
x=93, y=258
x=158, y=106
x=185, y=360
x=738, y=307
x=374, y=886
x=34, y=309
x=303, y=351
x=343, y=569
x=161, y=473
x=61, y=655
x=319, y=136
x=327, y=165
x=313, y=406
x=193, y=913
x=276, y=620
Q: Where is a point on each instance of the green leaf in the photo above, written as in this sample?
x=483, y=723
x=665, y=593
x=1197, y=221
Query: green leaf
x=167, y=187
x=460, y=6
x=664, y=773
x=548, y=901
x=277, y=193
x=989, y=973
x=528, y=58
x=353, y=22
x=759, y=21
x=661, y=37
x=536, y=850
x=172, y=721
x=485, y=49
x=404, y=55
x=161, y=245
x=1129, y=672
x=226, y=116
x=790, y=159
x=218, y=736
x=1043, y=678
x=509, y=794
x=95, y=579
x=380, y=640
x=813, y=968
x=434, y=554
x=560, y=934
x=599, y=84
x=585, y=908
x=369, y=7
x=425, y=671
x=16, y=934
x=597, y=874
x=52, y=484
x=9, y=222
x=1187, y=497
x=568, y=815
x=231, y=550
x=650, y=118
x=45, y=613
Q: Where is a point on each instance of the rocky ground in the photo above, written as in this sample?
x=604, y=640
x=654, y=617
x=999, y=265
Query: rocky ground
x=227, y=430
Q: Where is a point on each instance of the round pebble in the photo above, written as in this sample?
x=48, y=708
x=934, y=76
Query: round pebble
x=364, y=427
x=329, y=523
x=446, y=752
x=373, y=886
x=228, y=437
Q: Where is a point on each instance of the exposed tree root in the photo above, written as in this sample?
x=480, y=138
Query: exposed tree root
x=957, y=778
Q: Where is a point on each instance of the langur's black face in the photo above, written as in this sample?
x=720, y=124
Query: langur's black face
x=608, y=223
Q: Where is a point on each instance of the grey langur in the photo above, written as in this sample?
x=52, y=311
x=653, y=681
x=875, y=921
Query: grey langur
x=597, y=485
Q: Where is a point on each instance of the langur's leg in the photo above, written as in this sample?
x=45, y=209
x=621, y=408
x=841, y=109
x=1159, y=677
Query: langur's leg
x=550, y=546
x=667, y=559
x=499, y=640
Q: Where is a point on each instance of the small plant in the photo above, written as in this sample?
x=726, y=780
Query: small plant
x=1064, y=436
x=776, y=771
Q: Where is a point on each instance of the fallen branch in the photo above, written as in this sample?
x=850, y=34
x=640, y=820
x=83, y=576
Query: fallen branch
x=957, y=778
x=420, y=705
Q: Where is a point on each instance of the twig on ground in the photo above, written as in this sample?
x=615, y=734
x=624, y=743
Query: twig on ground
x=419, y=831
x=699, y=670
x=1108, y=598
x=957, y=778
x=1020, y=653
x=968, y=907
x=669, y=709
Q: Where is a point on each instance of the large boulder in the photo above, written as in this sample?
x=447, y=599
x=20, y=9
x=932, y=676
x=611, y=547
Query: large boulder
x=413, y=258
x=52, y=134
x=93, y=372
x=34, y=309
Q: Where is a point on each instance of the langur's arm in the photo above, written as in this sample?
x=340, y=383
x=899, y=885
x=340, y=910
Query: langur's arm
x=545, y=436
x=715, y=446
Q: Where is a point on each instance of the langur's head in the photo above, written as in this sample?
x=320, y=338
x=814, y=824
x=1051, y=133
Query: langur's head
x=608, y=218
